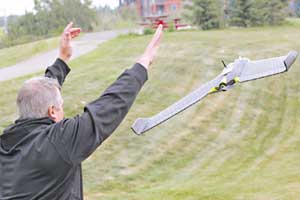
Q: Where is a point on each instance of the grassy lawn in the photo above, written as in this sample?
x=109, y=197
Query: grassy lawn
x=12, y=55
x=239, y=145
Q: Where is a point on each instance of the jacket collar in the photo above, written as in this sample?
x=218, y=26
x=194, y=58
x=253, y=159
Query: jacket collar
x=16, y=132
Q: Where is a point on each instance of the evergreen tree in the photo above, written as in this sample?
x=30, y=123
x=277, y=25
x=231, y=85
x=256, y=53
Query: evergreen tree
x=277, y=11
x=206, y=13
x=240, y=13
x=268, y=12
x=246, y=13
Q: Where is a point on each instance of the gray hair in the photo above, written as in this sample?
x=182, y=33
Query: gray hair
x=37, y=95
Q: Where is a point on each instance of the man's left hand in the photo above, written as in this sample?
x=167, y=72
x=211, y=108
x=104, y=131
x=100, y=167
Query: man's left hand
x=65, y=49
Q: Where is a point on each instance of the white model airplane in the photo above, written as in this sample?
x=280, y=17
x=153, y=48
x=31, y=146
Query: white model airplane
x=241, y=70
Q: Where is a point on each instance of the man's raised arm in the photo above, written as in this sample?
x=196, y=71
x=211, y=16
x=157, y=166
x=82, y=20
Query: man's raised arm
x=59, y=70
x=78, y=137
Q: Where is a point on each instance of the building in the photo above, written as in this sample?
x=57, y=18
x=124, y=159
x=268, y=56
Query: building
x=147, y=8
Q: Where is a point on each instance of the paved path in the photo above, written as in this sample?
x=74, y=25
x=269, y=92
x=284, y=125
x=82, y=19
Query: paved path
x=83, y=45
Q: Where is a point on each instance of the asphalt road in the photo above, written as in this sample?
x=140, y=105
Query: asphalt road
x=83, y=45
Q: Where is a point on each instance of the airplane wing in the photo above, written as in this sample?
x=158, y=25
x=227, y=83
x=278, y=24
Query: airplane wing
x=241, y=70
x=267, y=67
x=142, y=125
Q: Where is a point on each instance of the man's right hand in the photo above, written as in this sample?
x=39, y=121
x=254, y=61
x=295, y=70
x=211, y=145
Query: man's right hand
x=147, y=58
x=65, y=49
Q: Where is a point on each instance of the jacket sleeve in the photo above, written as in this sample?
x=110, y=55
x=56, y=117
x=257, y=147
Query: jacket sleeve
x=78, y=137
x=59, y=70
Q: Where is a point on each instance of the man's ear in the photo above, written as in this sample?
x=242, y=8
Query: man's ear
x=51, y=113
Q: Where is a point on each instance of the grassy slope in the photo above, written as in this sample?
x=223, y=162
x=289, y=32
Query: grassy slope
x=12, y=55
x=243, y=144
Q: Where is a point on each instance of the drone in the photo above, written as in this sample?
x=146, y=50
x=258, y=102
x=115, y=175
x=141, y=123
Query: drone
x=240, y=71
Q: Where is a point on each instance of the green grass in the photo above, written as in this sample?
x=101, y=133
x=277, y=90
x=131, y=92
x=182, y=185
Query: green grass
x=13, y=55
x=239, y=145
x=2, y=33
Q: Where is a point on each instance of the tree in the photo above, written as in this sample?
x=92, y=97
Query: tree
x=206, y=13
x=50, y=17
x=275, y=11
x=60, y=12
x=246, y=13
x=240, y=13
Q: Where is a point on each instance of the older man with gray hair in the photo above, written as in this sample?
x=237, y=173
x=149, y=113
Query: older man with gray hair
x=37, y=95
x=41, y=153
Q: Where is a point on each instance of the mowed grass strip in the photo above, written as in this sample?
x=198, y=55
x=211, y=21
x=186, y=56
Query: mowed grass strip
x=13, y=55
x=242, y=144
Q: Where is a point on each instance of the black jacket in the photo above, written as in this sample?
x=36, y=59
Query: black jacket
x=41, y=159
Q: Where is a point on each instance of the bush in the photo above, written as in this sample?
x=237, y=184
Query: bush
x=148, y=31
x=171, y=27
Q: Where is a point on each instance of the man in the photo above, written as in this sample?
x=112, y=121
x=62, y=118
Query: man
x=41, y=154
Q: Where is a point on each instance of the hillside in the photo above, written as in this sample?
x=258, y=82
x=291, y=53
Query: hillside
x=15, y=54
x=243, y=144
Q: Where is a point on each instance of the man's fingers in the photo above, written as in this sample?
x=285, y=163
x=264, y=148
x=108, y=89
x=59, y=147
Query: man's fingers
x=75, y=32
x=158, y=32
x=159, y=29
x=156, y=38
x=69, y=26
x=74, y=35
x=70, y=34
